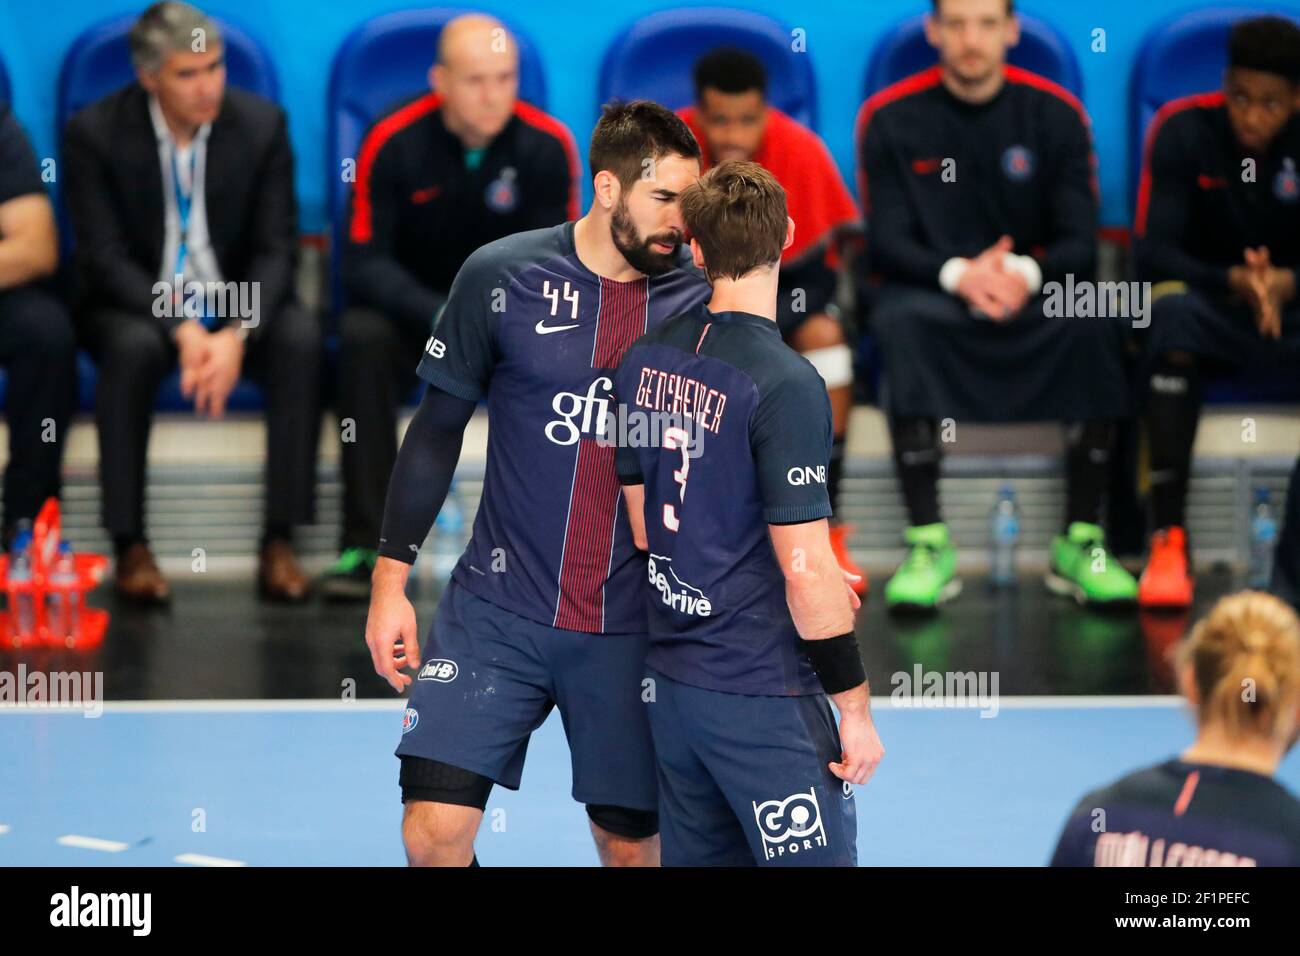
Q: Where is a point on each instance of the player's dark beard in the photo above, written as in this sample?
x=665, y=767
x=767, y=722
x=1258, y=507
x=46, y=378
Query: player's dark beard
x=636, y=250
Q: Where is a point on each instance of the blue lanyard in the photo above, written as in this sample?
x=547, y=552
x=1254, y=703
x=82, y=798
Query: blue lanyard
x=183, y=203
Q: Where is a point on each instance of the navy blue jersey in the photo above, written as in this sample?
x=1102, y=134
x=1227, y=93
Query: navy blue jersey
x=735, y=434
x=1184, y=814
x=530, y=327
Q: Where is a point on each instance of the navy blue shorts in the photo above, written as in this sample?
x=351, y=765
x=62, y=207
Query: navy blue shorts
x=744, y=779
x=489, y=678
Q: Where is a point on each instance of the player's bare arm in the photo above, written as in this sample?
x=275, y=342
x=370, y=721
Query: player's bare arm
x=820, y=606
x=391, y=631
x=634, y=496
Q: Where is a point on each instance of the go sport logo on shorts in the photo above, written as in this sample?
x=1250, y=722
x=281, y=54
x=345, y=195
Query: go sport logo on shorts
x=440, y=670
x=790, y=826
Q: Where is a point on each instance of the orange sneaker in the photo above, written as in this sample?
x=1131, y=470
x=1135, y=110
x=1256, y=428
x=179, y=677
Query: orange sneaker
x=1166, y=582
x=840, y=545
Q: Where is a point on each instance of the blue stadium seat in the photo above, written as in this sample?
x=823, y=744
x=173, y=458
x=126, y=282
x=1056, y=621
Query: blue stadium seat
x=99, y=62
x=1187, y=54
x=653, y=58
x=903, y=51
x=384, y=61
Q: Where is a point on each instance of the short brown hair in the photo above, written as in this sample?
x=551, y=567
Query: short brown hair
x=736, y=212
x=628, y=134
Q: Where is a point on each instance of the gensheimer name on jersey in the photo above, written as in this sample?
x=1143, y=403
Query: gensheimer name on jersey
x=743, y=442
x=530, y=327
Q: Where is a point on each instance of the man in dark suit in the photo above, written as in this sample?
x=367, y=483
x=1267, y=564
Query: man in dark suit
x=181, y=195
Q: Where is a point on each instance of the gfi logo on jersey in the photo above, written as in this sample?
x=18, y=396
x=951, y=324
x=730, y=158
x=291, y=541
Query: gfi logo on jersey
x=593, y=409
x=440, y=670
x=790, y=826
x=806, y=475
x=676, y=593
x=435, y=347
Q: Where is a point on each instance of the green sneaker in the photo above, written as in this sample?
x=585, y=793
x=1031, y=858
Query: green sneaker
x=927, y=576
x=348, y=578
x=1083, y=569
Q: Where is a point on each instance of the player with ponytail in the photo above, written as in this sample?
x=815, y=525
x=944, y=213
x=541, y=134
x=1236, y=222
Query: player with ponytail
x=1216, y=804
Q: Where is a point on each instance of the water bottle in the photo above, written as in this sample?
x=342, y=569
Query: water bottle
x=1263, y=537
x=448, y=536
x=20, y=579
x=1004, y=536
x=64, y=598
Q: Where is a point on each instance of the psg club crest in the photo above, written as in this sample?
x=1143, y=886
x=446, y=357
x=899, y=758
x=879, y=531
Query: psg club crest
x=409, y=720
x=503, y=193
x=1018, y=163
x=1286, y=185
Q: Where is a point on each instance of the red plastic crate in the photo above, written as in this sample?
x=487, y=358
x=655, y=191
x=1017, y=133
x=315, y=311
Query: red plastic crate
x=91, y=623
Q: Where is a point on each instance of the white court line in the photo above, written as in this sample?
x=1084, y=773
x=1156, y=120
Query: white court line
x=92, y=843
x=321, y=705
x=1117, y=702
x=331, y=704
x=198, y=859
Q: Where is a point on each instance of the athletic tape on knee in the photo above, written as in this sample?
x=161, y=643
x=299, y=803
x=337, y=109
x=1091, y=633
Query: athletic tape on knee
x=834, y=364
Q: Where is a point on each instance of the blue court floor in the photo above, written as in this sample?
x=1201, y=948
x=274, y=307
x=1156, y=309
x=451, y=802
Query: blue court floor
x=315, y=783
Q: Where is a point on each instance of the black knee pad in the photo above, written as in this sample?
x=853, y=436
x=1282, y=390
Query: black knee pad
x=437, y=782
x=624, y=821
x=915, y=440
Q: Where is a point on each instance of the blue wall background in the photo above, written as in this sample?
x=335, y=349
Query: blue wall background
x=303, y=37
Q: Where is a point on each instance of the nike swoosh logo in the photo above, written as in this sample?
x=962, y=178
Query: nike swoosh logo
x=542, y=329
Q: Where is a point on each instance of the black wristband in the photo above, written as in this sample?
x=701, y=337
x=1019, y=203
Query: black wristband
x=837, y=662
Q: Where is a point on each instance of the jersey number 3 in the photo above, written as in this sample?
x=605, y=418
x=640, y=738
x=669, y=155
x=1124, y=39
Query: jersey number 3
x=677, y=439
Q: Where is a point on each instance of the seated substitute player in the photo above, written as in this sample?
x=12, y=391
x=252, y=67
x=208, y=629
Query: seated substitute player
x=751, y=624
x=448, y=172
x=732, y=119
x=547, y=605
x=1217, y=804
x=1218, y=233
x=979, y=184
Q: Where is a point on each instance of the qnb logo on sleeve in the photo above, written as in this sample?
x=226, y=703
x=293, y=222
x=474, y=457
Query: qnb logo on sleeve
x=435, y=347
x=790, y=826
x=676, y=593
x=581, y=414
x=443, y=671
x=806, y=475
